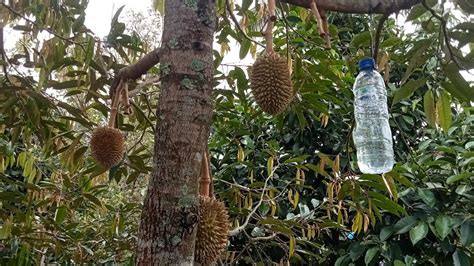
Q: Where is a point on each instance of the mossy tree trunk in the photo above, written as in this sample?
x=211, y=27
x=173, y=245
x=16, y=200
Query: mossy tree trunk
x=169, y=218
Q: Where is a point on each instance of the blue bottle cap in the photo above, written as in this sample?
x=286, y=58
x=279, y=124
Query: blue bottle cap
x=367, y=63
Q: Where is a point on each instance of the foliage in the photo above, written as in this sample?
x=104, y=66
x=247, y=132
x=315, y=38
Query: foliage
x=290, y=182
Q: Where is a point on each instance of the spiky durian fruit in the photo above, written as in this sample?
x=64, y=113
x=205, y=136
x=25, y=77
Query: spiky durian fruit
x=107, y=145
x=271, y=84
x=213, y=230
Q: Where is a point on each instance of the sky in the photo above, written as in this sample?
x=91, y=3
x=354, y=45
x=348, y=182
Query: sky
x=100, y=12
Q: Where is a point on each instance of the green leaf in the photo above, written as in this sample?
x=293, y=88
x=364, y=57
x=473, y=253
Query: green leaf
x=467, y=233
x=392, y=41
x=418, y=10
x=398, y=263
x=430, y=109
x=356, y=251
x=405, y=224
x=298, y=159
x=361, y=39
x=246, y=4
x=427, y=196
x=344, y=260
x=116, y=16
x=244, y=48
x=459, y=177
x=408, y=89
x=418, y=232
x=443, y=107
x=460, y=258
x=60, y=214
x=459, y=87
x=443, y=225
x=159, y=5
x=93, y=199
x=386, y=232
x=385, y=203
x=370, y=254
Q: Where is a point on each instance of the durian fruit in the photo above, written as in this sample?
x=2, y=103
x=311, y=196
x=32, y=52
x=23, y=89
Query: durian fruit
x=107, y=144
x=270, y=82
x=213, y=230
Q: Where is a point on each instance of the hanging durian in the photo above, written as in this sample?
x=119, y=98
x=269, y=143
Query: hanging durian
x=213, y=222
x=213, y=230
x=107, y=142
x=107, y=146
x=270, y=79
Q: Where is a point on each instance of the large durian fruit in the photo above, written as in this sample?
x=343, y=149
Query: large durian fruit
x=270, y=82
x=213, y=230
x=107, y=145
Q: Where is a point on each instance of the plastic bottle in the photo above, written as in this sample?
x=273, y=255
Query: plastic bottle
x=372, y=135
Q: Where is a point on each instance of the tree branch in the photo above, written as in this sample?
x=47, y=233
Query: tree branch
x=445, y=32
x=357, y=6
x=239, y=229
x=136, y=70
x=378, y=34
x=3, y=56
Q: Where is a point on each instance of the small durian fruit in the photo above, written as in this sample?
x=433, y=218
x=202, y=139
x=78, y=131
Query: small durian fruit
x=107, y=145
x=213, y=230
x=270, y=82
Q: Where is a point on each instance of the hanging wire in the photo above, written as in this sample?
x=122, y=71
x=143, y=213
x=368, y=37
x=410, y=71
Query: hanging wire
x=371, y=23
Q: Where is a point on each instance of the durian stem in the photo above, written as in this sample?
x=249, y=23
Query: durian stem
x=269, y=28
x=115, y=104
x=205, y=179
x=327, y=40
x=319, y=20
x=126, y=100
x=211, y=183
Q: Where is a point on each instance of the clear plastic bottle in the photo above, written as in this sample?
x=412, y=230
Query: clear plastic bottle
x=372, y=135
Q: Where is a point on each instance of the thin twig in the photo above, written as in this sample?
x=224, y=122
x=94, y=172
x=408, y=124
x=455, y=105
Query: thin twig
x=237, y=25
x=234, y=185
x=143, y=84
x=262, y=238
x=445, y=32
x=146, y=117
x=3, y=55
x=378, y=34
x=239, y=229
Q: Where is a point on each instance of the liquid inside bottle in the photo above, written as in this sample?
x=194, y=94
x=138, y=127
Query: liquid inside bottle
x=372, y=135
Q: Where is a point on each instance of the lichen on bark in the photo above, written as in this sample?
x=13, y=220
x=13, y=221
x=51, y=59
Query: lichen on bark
x=169, y=217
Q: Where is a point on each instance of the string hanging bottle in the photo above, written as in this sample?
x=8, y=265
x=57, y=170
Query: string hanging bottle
x=372, y=135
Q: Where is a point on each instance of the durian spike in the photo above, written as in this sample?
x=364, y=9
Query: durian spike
x=269, y=29
x=115, y=105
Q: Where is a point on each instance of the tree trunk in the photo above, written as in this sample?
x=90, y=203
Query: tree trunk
x=169, y=218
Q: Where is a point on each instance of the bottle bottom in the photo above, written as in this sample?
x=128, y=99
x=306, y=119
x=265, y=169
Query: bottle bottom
x=375, y=163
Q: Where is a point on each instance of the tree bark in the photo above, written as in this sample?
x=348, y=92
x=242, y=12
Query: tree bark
x=169, y=218
x=357, y=6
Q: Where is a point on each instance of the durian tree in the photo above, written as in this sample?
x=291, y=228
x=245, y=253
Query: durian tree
x=289, y=180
